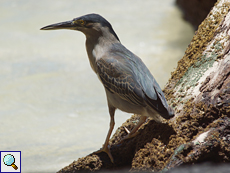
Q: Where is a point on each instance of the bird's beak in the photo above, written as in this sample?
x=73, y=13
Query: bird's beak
x=62, y=25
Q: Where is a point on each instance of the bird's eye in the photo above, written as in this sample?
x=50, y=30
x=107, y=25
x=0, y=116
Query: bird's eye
x=81, y=22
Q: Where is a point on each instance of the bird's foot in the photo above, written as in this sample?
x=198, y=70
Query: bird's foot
x=105, y=149
x=134, y=132
x=129, y=136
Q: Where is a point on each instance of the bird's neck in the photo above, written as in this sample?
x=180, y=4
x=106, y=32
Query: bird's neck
x=97, y=47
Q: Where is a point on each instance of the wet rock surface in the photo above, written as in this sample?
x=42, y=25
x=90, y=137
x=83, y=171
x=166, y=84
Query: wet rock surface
x=199, y=92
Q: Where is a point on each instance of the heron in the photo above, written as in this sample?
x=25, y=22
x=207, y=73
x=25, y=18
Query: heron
x=128, y=83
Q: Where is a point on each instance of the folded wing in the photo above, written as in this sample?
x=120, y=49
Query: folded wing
x=123, y=73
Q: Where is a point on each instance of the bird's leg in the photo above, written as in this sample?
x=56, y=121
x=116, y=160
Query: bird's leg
x=134, y=130
x=105, y=147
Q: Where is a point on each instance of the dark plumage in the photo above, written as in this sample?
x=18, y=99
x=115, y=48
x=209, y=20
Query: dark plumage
x=96, y=18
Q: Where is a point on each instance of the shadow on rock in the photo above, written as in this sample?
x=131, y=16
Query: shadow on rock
x=124, y=153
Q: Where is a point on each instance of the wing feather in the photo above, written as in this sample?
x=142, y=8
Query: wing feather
x=117, y=79
x=125, y=74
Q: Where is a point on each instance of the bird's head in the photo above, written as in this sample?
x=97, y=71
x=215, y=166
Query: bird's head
x=92, y=25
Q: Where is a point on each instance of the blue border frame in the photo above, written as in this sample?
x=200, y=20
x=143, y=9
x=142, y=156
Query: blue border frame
x=20, y=161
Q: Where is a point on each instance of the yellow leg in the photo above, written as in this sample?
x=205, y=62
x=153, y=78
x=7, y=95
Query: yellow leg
x=105, y=147
x=134, y=130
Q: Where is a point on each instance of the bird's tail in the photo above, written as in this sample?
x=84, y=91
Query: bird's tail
x=161, y=106
x=170, y=113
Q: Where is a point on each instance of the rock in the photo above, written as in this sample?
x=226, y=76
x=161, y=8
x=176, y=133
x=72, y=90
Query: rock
x=199, y=91
x=195, y=11
x=205, y=167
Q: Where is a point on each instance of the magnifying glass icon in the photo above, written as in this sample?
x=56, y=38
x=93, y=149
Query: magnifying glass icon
x=9, y=160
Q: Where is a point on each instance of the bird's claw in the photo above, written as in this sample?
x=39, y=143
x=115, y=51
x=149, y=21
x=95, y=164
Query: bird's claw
x=127, y=131
x=129, y=136
x=105, y=149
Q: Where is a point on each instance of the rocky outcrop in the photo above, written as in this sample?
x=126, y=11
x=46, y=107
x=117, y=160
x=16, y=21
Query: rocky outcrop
x=199, y=91
x=195, y=11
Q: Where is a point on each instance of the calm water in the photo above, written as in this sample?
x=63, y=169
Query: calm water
x=53, y=107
